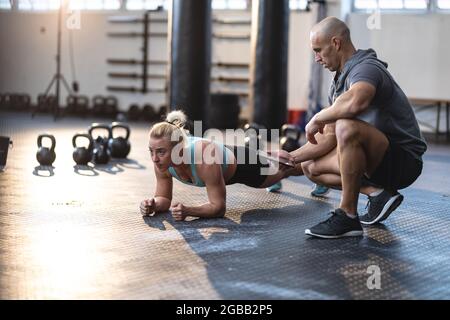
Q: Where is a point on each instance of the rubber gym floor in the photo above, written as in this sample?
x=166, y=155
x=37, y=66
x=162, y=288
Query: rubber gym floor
x=76, y=233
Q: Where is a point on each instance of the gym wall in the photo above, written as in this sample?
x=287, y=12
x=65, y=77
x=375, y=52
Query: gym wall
x=416, y=57
x=414, y=47
x=27, y=57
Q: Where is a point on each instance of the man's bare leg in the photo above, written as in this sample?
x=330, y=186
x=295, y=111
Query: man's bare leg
x=326, y=171
x=361, y=149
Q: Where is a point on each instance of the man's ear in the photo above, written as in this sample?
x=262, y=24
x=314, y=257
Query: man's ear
x=336, y=43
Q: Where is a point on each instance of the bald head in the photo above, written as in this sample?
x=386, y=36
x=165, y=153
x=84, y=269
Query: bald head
x=331, y=27
x=331, y=43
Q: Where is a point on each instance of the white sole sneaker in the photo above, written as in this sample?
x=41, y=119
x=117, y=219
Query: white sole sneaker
x=354, y=233
x=388, y=208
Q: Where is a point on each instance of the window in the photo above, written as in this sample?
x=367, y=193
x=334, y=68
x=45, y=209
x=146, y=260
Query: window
x=94, y=4
x=443, y=4
x=146, y=4
x=229, y=4
x=41, y=5
x=38, y=5
x=416, y=4
x=298, y=4
x=5, y=4
x=390, y=4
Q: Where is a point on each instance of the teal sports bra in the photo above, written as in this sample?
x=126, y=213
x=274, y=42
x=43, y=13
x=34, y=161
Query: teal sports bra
x=197, y=181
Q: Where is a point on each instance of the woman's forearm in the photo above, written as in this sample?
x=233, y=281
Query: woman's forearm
x=162, y=204
x=207, y=210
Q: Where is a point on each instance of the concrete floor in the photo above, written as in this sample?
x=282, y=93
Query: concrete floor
x=72, y=233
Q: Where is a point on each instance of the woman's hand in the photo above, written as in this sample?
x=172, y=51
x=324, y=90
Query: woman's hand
x=148, y=207
x=179, y=212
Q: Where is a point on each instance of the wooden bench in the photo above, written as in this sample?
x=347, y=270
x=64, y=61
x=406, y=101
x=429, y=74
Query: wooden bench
x=421, y=104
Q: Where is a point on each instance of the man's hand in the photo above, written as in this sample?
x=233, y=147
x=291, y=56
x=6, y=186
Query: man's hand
x=312, y=128
x=148, y=207
x=282, y=155
x=179, y=212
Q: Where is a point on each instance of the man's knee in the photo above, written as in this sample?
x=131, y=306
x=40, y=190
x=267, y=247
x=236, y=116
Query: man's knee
x=347, y=130
x=310, y=169
x=305, y=167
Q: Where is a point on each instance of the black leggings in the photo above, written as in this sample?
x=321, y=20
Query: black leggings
x=249, y=165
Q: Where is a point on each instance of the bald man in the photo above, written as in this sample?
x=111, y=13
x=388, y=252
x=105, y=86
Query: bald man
x=367, y=141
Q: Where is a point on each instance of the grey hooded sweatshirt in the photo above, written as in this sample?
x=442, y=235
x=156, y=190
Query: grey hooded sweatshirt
x=390, y=111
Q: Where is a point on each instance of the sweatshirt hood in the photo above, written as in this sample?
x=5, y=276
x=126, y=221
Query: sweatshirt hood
x=360, y=56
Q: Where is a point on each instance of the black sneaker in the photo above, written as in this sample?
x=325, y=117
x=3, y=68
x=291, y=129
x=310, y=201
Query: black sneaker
x=380, y=207
x=337, y=226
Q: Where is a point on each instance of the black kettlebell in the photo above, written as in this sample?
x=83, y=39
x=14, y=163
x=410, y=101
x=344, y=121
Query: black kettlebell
x=101, y=153
x=253, y=137
x=119, y=147
x=46, y=156
x=290, y=137
x=82, y=155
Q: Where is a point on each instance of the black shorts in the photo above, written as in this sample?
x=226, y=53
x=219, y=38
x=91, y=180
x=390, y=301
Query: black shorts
x=249, y=172
x=398, y=169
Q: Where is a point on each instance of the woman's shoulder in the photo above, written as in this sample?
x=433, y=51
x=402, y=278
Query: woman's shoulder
x=163, y=174
x=201, y=142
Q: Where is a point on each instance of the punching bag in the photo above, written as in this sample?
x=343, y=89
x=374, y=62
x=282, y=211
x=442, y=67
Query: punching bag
x=268, y=84
x=190, y=57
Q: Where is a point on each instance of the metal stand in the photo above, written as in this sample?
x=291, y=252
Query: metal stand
x=58, y=76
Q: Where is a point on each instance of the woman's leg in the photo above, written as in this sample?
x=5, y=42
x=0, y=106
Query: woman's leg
x=281, y=173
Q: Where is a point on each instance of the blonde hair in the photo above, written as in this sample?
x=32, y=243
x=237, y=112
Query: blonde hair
x=172, y=128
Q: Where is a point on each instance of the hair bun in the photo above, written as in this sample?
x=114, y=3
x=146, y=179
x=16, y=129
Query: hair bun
x=177, y=118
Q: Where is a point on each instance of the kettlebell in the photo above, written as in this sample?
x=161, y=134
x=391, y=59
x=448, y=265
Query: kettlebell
x=119, y=147
x=253, y=137
x=101, y=153
x=82, y=155
x=46, y=156
x=290, y=137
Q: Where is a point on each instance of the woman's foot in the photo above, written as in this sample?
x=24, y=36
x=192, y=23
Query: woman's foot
x=320, y=191
x=275, y=187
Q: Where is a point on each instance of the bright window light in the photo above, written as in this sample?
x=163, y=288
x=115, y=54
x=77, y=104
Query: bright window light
x=155, y=4
x=415, y=4
x=5, y=4
x=229, y=4
x=219, y=4
x=54, y=4
x=38, y=5
x=135, y=5
x=76, y=4
x=298, y=4
x=94, y=4
x=365, y=4
x=42, y=5
x=111, y=4
x=25, y=5
x=443, y=4
x=237, y=4
x=146, y=4
x=390, y=4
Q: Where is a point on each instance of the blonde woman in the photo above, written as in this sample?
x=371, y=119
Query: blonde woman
x=188, y=159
